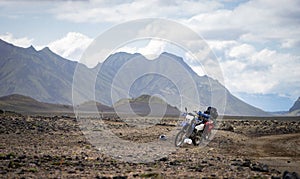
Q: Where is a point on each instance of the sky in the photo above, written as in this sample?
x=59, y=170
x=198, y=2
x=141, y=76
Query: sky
x=256, y=42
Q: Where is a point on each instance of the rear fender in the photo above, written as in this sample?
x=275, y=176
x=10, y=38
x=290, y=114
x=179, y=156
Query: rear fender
x=209, y=125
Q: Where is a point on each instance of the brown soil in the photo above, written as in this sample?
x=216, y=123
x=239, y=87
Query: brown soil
x=55, y=147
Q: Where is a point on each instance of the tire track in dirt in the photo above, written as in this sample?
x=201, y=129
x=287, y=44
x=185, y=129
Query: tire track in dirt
x=278, y=151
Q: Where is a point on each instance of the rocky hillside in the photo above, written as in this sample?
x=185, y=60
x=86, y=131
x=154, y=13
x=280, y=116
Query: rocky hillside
x=42, y=75
x=24, y=104
x=146, y=105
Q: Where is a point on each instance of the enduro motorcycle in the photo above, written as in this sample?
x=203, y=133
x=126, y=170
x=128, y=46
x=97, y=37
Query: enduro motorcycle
x=195, y=129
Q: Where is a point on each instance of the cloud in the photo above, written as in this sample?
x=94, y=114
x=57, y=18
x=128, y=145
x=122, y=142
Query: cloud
x=244, y=37
x=71, y=46
x=220, y=45
x=270, y=20
x=240, y=51
x=290, y=43
x=255, y=70
x=255, y=21
x=120, y=11
x=264, y=71
x=21, y=42
x=151, y=50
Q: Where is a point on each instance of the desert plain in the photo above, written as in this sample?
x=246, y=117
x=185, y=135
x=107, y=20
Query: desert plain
x=54, y=146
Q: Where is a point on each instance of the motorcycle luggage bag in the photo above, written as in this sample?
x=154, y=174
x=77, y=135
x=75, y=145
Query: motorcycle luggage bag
x=213, y=112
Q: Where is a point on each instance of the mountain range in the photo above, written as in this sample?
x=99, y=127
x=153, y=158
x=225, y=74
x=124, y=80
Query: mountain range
x=47, y=77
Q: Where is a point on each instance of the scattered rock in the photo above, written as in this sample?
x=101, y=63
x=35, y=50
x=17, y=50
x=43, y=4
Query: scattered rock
x=149, y=175
x=120, y=177
x=227, y=127
x=102, y=177
x=164, y=159
x=259, y=167
x=175, y=162
x=290, y=175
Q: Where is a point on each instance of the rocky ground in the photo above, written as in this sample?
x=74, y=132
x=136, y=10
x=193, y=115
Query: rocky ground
x=55, y=147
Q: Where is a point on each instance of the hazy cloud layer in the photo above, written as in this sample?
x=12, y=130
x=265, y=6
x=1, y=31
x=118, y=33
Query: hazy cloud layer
x=257, y=21
x=120, y=11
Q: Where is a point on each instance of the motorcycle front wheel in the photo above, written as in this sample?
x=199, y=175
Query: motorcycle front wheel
x=196, y=140
x=179, y=139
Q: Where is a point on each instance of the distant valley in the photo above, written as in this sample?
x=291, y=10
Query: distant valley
x=143, y=105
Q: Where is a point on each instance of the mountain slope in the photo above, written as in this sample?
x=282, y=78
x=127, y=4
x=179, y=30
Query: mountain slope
x=146, y=105
x=20, y=103
x=47, y=77
x=296, y=105
x=120, y=72
x=295, y=109
x=42, y=75
x=93, y=106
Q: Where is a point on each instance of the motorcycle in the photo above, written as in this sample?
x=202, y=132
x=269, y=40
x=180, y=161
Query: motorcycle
x=196, y=127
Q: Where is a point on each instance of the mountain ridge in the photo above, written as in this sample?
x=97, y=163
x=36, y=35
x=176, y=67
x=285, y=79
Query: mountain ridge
x=42, y=75
x=24, y=104
x=48, y=77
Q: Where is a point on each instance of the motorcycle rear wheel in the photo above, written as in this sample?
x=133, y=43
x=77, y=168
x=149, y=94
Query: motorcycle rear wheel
x=206, y=135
